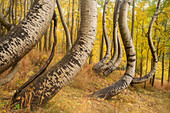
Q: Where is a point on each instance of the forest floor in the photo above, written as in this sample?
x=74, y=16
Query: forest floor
x=74, y=97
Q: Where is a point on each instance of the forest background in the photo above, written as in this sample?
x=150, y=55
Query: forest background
x=16, y=10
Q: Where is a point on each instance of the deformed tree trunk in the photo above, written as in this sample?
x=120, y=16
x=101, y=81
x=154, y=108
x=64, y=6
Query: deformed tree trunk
x=115, y=35
x=5, y=22
x=117, y=62
x=68, y=39
x=7, y=78
x=130, y=53
x=42, y=89
x=153, y=51
x=11, y=74
x=106, y=57
x=20, y=40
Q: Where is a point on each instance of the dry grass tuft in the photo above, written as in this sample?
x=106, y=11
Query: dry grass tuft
x=74, y=97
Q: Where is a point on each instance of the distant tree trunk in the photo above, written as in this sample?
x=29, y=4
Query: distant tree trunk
x=21, y=10
x=136, y=70
x=72, y=24
x=68, y=39
x=45, y=87
x=46, y=41
x=50, y=35
x=146, y=71
x=24, y=8
x=16, y=5
x=141, y=61
x=101, y=48
x=90, y=58
x=163, y=68
x=133, y=19
x=68, y=16
x=40, y=45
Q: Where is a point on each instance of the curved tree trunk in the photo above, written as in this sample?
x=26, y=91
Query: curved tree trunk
x=118, y=61
x=106, y=57
x=115, y=35
x=7, y=78
x=130, y=53
x=42, y=89
x=68, y=39
x=5, y=22
x=20, y=40
x=153, y=51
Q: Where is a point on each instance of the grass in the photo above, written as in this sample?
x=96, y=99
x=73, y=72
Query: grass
x=74, y=97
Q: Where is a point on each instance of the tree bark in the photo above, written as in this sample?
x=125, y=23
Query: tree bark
x=7, y=78
x=101, y=48
x=153, y=51
x=130, y=53
x=106, y=57
x=118, y=61
x=5, y=22
x=20, y=40
x=68, y=39
x=50, y=35
x=41, y=90
x=115, y=35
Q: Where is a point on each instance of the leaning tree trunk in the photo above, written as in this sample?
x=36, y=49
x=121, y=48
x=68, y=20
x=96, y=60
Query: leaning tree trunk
x=130, y=53
x=153, y=51
x=106, y=57
x=20, y=40
x=42, y=89
x=115, y=35
x=117, y=62
x=66, y=29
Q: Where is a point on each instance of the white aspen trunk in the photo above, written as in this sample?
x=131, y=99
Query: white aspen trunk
x=124, y=82
x=47, y=85
x=115, y=35
x=106, y=57
x=20, y=40
x=153, y=51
